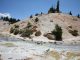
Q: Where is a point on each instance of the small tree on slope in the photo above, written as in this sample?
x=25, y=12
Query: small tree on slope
x=57, y=32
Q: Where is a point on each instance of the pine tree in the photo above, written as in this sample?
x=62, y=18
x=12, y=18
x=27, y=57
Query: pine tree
x=78, y=16
x=57, y=8
x=31, y=16
x=70, y=13
x=51, y=10
x=41, y=13
x=36, y=14
x=1, y=18
x=57, y=33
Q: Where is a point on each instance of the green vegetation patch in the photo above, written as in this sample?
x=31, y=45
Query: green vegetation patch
x=8, y=44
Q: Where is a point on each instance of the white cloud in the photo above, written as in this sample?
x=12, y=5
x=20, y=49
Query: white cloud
x=5, y=15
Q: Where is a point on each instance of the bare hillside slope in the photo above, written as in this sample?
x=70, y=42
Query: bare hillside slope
x=46, y=23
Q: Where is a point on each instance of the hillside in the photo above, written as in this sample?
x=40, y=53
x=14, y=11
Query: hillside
x=46, y=23
x=4, y=26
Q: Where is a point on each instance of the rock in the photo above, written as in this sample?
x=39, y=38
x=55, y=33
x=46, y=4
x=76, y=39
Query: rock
x=49, y=36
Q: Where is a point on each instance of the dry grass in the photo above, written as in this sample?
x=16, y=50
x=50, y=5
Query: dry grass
x=8, y=44
x=70, y=55
x=55, y=55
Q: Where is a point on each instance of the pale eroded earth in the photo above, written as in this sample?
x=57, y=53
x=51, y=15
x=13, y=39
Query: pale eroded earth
x=29, y=50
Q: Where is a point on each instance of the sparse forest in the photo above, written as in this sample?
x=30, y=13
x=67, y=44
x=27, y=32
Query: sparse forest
x=10, y=20
x=55, y=10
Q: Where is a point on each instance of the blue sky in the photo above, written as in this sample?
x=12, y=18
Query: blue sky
x=24, y=8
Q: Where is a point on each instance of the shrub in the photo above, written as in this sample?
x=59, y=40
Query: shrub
x=16, y=31
x=20, y=31
x=38, y=33
x=26, y=33
x=78, y=16
x=34, y=28
x=29, y=25
x=11, y=30
x=51, y=10
x=16, y=26
x=31, y=16
x=41, y=13
x=36, y=14
x=74, y=32
x=51, y=20
x=70, y=13
x=57, y=33
x=36, y=20
x=70, y=27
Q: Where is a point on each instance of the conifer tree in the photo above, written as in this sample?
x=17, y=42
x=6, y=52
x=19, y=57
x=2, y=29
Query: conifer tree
x=70, y=13
x=57, y=7
x=78, y=16
x=57, y=33
x=51, y=10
